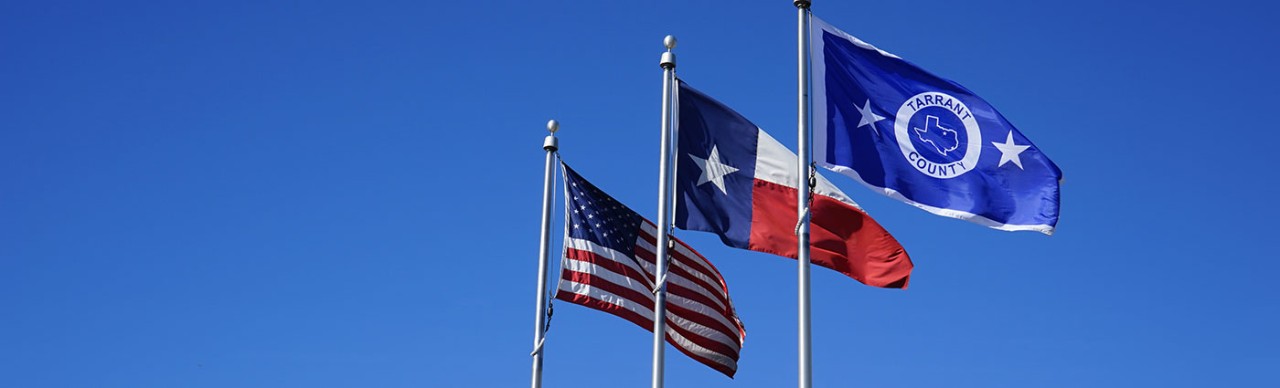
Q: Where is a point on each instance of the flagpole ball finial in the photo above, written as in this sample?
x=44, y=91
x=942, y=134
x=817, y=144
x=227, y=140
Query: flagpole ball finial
x=551, y=143
x=668, y=58
x=801, y=3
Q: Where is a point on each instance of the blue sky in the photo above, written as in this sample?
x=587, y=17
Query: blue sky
x=273, y=194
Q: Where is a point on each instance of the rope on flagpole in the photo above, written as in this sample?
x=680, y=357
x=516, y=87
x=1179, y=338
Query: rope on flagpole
x=662, y=277
x=675, y=169
x=808, y=202
x=547, y=294
x=551, y=145
x=551, y=309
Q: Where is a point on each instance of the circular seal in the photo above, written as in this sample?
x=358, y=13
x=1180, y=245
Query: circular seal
x=938, y=135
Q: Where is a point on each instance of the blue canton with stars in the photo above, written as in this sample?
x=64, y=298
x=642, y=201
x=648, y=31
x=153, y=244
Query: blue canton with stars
x=597, y=217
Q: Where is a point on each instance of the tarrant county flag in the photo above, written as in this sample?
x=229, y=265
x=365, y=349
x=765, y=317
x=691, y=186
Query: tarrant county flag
x=924, y=140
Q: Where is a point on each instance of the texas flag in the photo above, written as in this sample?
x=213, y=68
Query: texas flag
x=734, y=180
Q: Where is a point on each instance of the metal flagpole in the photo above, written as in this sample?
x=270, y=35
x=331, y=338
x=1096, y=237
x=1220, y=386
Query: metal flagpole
x=550, y=144
x=668, y=64
x=802, y=199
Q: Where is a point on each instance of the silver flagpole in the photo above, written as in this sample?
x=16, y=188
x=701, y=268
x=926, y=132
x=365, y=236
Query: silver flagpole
x=668, y=64
x=802, y=199
x=550, y=144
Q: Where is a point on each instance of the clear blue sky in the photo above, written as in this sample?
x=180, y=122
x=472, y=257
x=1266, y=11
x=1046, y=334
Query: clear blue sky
x=316, y=194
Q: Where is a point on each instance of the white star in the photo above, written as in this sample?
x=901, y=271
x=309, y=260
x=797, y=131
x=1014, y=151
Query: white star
x=868, y=117
x=713, y=170
x=1009, y=151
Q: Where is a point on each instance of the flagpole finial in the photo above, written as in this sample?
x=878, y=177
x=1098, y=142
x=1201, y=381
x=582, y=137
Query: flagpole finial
x=551, y=143
x=668, y=58
x=804, y=4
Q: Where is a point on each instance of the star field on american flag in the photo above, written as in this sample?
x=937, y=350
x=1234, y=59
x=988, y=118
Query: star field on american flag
x=597, y=217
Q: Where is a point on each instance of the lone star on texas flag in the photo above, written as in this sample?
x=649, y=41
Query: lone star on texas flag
x=713, y=170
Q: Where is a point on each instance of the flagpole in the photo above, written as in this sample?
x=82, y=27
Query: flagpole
x=550, y=144
x=668, y=64
x=802, y=199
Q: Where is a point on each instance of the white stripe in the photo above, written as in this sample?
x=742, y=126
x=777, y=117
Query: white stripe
x=705, y=332
x=700, y=308
x=638, y=308
x=602, y=274
x=824, y=26
x=774, y=162
x=622, y=281
x=715, y=357
x=706, y=270
x=707, y=273
x=818, y=87
x=608, y=254
x=974, y=218
x=818, y=73
x=777, y=164
x=685, y=282
x=609, y=276
x=604, y=296
x=675, y=298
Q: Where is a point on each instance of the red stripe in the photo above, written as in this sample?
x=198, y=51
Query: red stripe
x=609, y=264
x=727, y=370
x=649, y=257
x=676, y=289
x=645, y=323
x=841, y=237
x=635, y=296
x=672, y=287
x=720, y=293
x=686, y=260
x=709, y=344
x=720, y=290
x=703, y=341
x=645, y=300
x=703, y=266
x=699, y=262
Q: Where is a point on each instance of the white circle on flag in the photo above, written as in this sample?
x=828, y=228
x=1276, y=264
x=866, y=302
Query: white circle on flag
x=959, y=111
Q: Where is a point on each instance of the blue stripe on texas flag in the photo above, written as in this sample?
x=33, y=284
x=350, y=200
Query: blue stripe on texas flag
x=704, y=207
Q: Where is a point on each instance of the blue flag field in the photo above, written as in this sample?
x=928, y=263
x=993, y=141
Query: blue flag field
x=923, y=139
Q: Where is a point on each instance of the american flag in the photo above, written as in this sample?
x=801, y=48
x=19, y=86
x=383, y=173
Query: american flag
x=609, y=266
